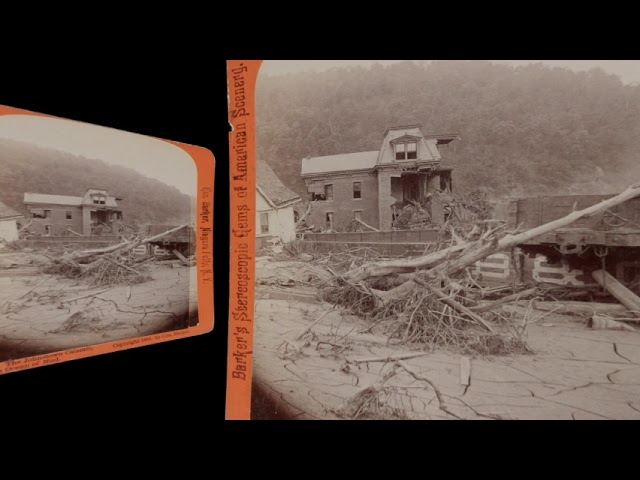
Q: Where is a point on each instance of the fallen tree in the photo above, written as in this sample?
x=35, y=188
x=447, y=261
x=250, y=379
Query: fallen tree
x=435, y=300
x=108, y=265
x=123, y=247
x=456, y=258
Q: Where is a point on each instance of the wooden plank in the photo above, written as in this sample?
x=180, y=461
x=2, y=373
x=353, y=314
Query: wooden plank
x=617, y=289
x=182, y=258
x=465, y=371
x=581, y=308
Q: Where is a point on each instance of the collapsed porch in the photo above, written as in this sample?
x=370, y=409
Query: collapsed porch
x=417, y=188
x=103, y=221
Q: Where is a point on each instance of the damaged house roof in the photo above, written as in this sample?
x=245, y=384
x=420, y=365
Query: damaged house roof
x=8, y=212
x=427, y=151
x=272, y=187
x=52, y=199
x=339, y=163
x=110, y=200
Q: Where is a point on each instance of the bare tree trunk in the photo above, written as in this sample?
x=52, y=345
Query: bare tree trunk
x=366, y=225
x=474, y=254
x=300, y=220
x=123, y=247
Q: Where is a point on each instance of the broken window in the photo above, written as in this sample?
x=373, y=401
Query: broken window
x=318, y=191
x=47, y=229
x=357, y=190
x=264, y=222
x=329, y=220
x=69, y=215
x=37, y=213
x=328, y=192
x=357, y=214
x=445, y=182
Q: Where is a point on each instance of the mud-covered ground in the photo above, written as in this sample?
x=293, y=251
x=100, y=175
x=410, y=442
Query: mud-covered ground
x=42, y=313
x=574, y=373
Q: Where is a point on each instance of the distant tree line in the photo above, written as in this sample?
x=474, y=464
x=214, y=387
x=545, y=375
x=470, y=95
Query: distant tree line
x=525, y=130
x=27, y=168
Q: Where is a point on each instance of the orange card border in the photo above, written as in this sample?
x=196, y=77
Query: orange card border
x=241, y=81
x=205, y=165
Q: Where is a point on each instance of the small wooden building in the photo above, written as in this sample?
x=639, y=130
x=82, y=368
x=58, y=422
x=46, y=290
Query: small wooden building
x=274, y=208
x=10, y=221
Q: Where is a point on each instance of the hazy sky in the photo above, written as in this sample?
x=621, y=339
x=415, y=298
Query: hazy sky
x=627, y=70
x=149, y=156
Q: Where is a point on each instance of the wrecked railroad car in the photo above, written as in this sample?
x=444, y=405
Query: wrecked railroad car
x=609, y=240
x=183, y=240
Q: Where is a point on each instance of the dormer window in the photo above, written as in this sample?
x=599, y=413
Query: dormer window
x=407, y=150
x=99, y=199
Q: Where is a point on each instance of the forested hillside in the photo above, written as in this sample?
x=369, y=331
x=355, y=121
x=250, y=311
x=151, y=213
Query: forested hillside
x=26, y=168
x=525, y=131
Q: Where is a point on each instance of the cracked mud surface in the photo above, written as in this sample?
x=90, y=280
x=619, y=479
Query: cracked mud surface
x=43, y=313
x=576, y=373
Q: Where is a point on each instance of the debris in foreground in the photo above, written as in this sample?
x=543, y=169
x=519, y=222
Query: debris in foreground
x=435, y=300
x=109, y=265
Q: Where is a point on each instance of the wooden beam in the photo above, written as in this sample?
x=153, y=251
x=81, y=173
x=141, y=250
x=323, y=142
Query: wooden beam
x=617, y=289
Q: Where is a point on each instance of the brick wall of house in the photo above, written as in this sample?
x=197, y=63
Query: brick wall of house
x=344, y=205
x=58, y=220
x=386, y=198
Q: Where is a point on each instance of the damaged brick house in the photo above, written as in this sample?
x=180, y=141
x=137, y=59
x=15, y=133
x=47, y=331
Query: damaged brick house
x=92, y=214
x=374, y=186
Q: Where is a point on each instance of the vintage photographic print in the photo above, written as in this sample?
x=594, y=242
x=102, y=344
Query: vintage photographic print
x=100, y=234
x=435, y=240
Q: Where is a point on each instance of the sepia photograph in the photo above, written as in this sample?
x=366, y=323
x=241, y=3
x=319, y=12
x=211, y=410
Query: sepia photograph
x=435, y=239
x=97, y=237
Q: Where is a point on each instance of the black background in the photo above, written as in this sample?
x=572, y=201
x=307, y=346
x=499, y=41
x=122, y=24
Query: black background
x=171, y=97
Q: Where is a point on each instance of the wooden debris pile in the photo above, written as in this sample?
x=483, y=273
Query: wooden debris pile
x=455, y=209
x=111, y=265
x=434, y=299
